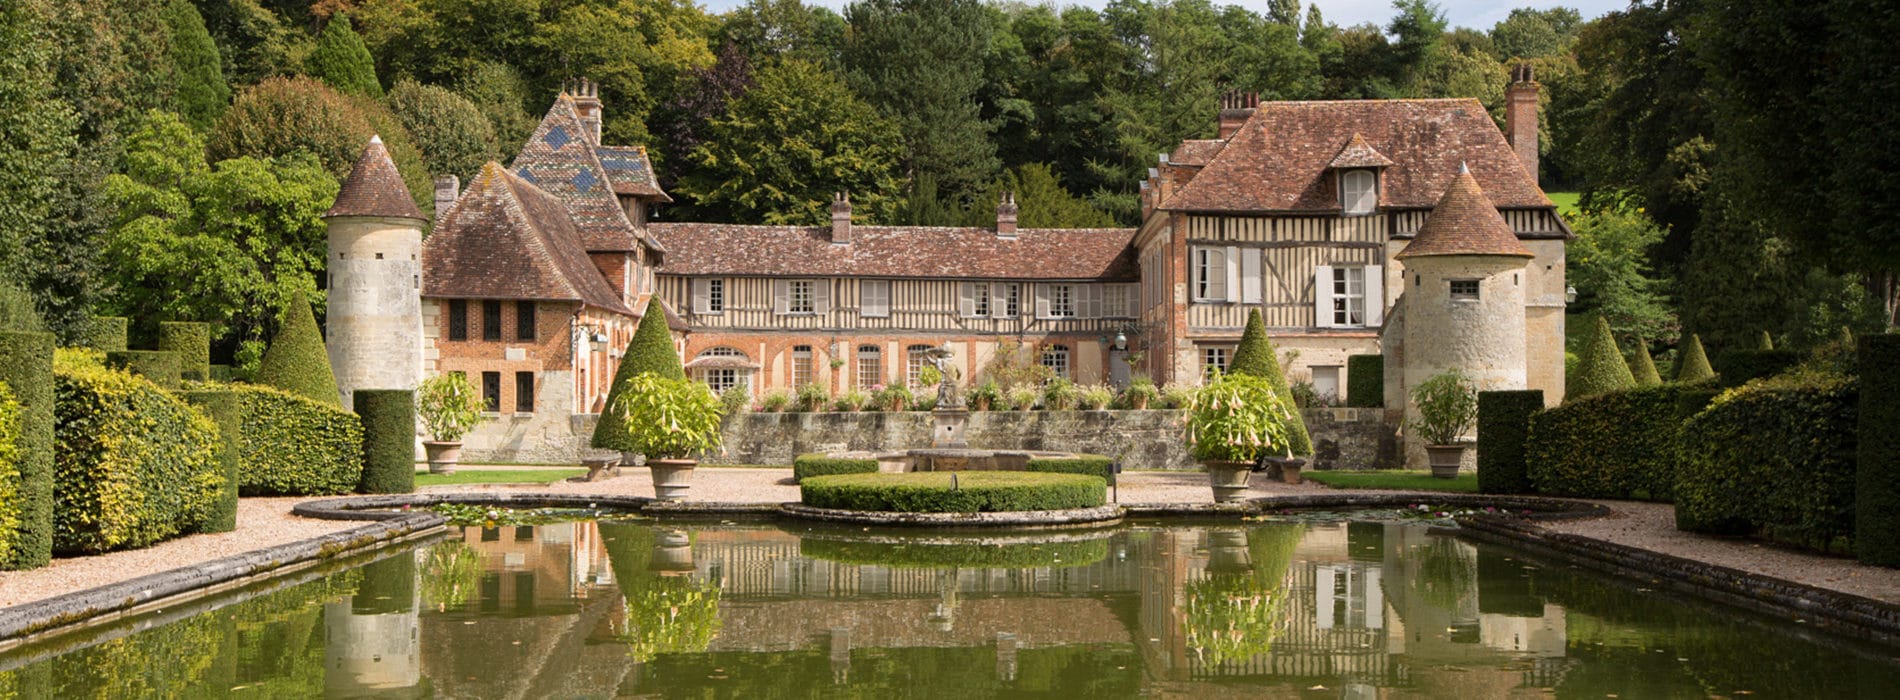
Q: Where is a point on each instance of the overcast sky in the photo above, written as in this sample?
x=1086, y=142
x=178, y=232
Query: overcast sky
x=1477, y=14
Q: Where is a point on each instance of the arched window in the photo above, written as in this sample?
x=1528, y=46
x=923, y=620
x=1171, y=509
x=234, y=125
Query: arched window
x=1359, y=191
x=914, y=364
x=870, y=366
x=721, y=376
x=1056, y=358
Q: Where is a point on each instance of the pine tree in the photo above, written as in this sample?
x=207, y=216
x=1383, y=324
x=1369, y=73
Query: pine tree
x=651, y=350
x=1694, y=365
x=296, y=360
x=342, y=60
x=1255, y=356
x=1601, y=369
x=197, y=67
x=1644, y=367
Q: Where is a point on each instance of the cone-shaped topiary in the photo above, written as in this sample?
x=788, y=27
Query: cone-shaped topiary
x=1600, y=368
x=296, y=361
x=1694, y=364
x=1255, y=356
x=1644, y=368
x=1765, y=342
x=651, y=350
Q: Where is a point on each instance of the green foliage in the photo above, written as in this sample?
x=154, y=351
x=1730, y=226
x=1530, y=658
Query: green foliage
x=1095, y=465
x=773, y=401
x=17, y=312
x=453, y=133
x=736, y=398
x=975, y=554
x=650, y=351
x=1692, y=364
x=342, y=60
x=1140, y=394
x=974, y=492
x=37, y=138
x=297, y=446
x=157, y=366
x=920, y=63
x=986, y=396
x=850, y=401
x=1737, y=367
x=134, y=465
x=1176, y=395
x=451, y=575
x=26, y=367
x=499, y=91
x=9, y=469
x=450, y=406
x=1022, y=398
x=221, y=407
x=1877, y=475
x=1620, y=445
x=669, y=615
x=1013, y=365
x=817, y=464
x=1238, y=418
x=1765, y=342
x=667, y=418
x=296, y=361
x=1365, y=381
x=1059, y=394
x=191, y=343
x=1447, y=408
x=1609, y=264
x=282, y=116
x=1256, y=356
x=1772, y=460
x=893, y=397
x=810, y=397
x=1095, y=397
x=389, y=439
x=106, y=333
x=1643, y=367
x=1504, y=428
x=1600, y=366
x=1396, y=480
x=1041, y=202
x=197, y=67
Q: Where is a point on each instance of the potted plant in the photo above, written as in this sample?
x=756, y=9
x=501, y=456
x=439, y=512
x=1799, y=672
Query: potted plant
x=1140, y=393
x=1447, y=408
x=985, y=396
x=450, y=407
x=671, y=421
x=1232, y=422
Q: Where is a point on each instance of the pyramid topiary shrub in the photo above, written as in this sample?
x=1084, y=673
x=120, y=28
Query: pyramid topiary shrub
x=1693, y=366
x=389, y=439
x=1765, y=342
x=1255, y=356
x=26, y=367
x=296, y=360
x=221, y=406
x=1643, y=367
x=191, y=342
x=1600, y=367
x=1877, y=474
x=651, y=350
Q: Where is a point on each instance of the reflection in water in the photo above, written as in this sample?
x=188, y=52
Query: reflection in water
x=585, y=610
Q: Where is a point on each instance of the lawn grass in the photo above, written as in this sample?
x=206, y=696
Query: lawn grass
x=497, y=476
x=1396, y=479
x=1566, y=202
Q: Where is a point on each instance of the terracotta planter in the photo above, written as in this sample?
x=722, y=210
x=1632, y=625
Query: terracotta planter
x=1230, y=480
x=672, y=553
x=1445, y=459
x=1227, y=552
x=672, y=477
x=1288, y=468
x=443, y=456
x=1139, y=403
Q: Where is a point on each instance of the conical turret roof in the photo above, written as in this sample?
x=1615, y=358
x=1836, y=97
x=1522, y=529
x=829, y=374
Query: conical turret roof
x=374, y=188
x=1465, y=223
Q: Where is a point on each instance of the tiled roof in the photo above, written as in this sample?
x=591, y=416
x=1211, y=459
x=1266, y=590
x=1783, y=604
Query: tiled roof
x=1359, y=154
x=507, y=239
x=559, y=160
x=1464, y=223
x=374, y=188
x=1196, y=152
x=630, y=171
x=1279, y=159
x=898, y=251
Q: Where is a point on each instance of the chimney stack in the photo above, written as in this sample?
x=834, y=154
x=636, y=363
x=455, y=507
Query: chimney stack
x=1006, y=216
x=841, y=218
x=1520, y=116
x=447, y=187
x=1235, y=108
x=586, y=94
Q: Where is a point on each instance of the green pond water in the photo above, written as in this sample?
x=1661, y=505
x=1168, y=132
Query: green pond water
x=644, y=609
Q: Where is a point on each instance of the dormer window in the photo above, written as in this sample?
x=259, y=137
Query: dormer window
x=1359, y=191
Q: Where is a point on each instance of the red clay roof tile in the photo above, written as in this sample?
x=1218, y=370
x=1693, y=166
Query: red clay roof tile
x=507, y=239
x=1464, y=223
x=559, y=160
x=374, y=188
x=898, y=251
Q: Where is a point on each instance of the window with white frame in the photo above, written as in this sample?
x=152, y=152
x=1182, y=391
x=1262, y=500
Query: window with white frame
x=801, y=366
x=1215, y=359
x=719, y=379
x=1359, y=191
x=1062, y=301
x=975, y=300
x=709, y=296
x=874, y=299
x=1056, y=358
x=1464, y=289
x=799, y=298
x=1010, y=296
x=914, y=364
x=1210, y=274
x=1349, y=296
x=870, y=367
x=1119, y=300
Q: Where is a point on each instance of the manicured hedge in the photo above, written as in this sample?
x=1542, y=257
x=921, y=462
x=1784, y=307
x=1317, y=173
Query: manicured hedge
x=26, y=366
x=156, y=365
x=134, y=464
x=1877, y=484
x=1776, y=460
x=1616, y=445
x=817, y=464
x=1736, y=367
x=975, y=554
x=221, y=406
x=650, y=350
x=9, y=468
x=1504, y=430
x=389, y=439
x=1094, y=465
x=104, y=333
x=191, y=342
x=296, y=360
x=1365, y=381
x=975, y=492
x=1256, y=356
x=297, y=446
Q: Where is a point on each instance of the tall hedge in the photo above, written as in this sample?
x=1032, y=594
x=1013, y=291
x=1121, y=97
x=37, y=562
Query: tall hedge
x=1600, y=366
x=191, y=342
x=1877, y=477
x=296, y=360
x=1504, y=430
x=9, y=468
x=134, y=466
x=297, y=446
x=1256, y=356
x=1773, y=459
x=389, y=439
x=1692, y=364
x=1737, y=367
x=158, y=366
x=1365, y=381
x=26, y=366
x=1643, y=367
x=221, y=406
x=104, y=333
x=1620, y=445
x=650, y=350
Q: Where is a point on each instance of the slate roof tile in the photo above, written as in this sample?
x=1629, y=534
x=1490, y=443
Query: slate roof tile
x=560, y=161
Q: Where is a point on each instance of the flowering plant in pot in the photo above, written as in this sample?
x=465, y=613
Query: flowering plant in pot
x=450, y=407
x=671, y=421
x=1447, y=409
x=1232, y=422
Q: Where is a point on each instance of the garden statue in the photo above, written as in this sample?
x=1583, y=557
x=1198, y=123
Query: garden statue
x=947, y=395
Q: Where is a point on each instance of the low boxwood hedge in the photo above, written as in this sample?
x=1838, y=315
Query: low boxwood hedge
x=1737, y=367
x=134, y=464
x=1504, y=429
x=1094, y=465
x=297, y=446
x=817, y=464
x=389, y=439
x=974, y=492
x=975, y=554
x=221, y=406
x=1616, y=445
x=1365, y=381
x=1775, y=459
x=159, y=366
x=1877, y=484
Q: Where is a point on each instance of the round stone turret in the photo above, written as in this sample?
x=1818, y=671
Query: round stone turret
x=374, y=318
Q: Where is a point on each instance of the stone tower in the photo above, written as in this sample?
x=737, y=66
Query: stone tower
x=374, y=322
x=1463, y=304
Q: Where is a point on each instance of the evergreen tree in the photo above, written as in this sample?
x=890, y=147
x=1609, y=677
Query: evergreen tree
x=920, y=62
x=296, y=360
x=925, y=207
x=1601, y=369
x=1765, y=342
x=1693, y=366
x=1041, y=200
x=342, y=60
x=1644, y=368
x=197, y=66
x=650, y=352
x=1256, y=357
x=452, y=133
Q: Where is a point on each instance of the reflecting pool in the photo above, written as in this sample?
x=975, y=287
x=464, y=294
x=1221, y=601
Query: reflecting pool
x=638, y=608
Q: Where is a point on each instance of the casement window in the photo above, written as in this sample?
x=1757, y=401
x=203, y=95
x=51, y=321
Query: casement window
x=801, y=300
x=524, y=320
x=1209, y=266
x=1464, y=290
x=1348, y=296
x=801, y=366
x=874, y=299
x=1056, y=358
x=1121, y=301
x=870, y=367
x=1359, y=191
x=914, y=364
x=1056, y=301
x=458, y=319
x=709, y=296
x=491, y=320
x=1226, y=274
x=798, y=297
x=524, y=392
x=491, y=392
x=1215, y=359
x=1006, y=300
x=973, y=300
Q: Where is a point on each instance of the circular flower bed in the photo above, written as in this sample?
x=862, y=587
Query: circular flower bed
x=954, y=492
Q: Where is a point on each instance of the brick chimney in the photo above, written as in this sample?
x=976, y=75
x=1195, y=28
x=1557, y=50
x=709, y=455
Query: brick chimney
x=841, y=218
x=586, y=94
x=1520, y=116
x=1235, y=108
x=1006, y=216
x=446, y=189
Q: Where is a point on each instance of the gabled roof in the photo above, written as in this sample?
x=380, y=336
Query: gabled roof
x=507, y=239
x=630, y=171
x=374, y=188
x=1464, y=223
x=1196, y=152
x=559, y=159
x=934, y=252
x=1279, y=160
x=1359, y=154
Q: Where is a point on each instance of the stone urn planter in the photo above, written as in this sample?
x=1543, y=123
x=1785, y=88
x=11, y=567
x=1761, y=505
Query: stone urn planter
x=449, y=408
x=443, y=456
x=1230, y=480
x=672, y=553
x=1446, y=458
x=672, y=477
x=1288, y=468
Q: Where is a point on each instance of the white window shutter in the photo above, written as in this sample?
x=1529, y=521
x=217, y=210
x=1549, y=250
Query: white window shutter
x=1250, y=276
x=966, y=299
x=781, y=297
x=1134, y=301
x=1091, y=300
x=1375, y=296
x=1323, y=296
x=1230, y=284
x=821, y=296
x=999, y=300
x=702, y=296
x=1042, y=301
x=874, y=299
